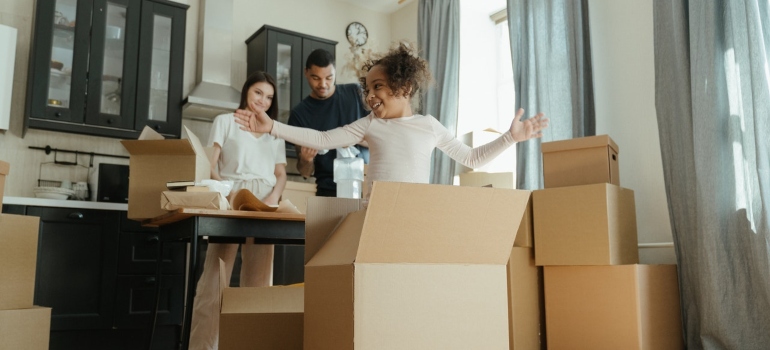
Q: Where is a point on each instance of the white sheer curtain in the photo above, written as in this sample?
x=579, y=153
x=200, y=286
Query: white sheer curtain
x=713, y=107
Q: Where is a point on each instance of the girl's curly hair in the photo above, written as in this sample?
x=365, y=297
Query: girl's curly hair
x=406, y=72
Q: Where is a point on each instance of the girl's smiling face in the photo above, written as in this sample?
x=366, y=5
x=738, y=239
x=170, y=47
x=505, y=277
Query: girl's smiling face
x=260, y=96
x=383, y=102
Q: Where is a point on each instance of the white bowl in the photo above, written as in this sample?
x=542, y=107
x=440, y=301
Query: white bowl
x=53, y=192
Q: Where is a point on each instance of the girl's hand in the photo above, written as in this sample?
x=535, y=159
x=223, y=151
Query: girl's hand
x=253, y=121
x=527, y=129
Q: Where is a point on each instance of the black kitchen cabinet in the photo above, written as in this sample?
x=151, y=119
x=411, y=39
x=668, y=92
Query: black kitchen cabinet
x=106, y=67
x=96, y=270
x=76, y=265
x=282, y=54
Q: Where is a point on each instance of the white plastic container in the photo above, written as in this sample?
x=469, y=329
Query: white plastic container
x=349, y=176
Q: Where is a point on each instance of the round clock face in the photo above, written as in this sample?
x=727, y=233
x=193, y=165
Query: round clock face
x=357, y=34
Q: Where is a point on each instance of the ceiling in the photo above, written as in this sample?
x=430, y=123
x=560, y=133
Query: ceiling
x=382, y=6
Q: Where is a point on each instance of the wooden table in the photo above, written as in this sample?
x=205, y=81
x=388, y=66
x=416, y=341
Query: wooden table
x=221, y=226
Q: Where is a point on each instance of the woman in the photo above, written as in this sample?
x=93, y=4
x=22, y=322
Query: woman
x=253, y=161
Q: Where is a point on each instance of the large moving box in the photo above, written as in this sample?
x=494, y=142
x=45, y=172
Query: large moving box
x=613, y=307
x=580, y=161
x=260, y=317
x=424, y=267
x=154, y=162
x=585, y=225
x=27, y=328
x=526, y=309
x=4, y=169
x=18, y=259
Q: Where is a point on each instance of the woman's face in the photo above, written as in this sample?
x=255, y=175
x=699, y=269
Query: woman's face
x=381, y=99
x=260, y=96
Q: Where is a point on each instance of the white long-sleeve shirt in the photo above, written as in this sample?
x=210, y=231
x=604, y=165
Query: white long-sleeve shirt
x=400, y=148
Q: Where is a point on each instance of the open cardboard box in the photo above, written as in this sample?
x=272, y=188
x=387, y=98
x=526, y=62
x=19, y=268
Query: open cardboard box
x=634, y=307
x=154, y=162
x=585, y=225
x=260, y=317
x=27, y=328
x=18, y=259
x=424, y=267
x=580, y=161
x=4, y=169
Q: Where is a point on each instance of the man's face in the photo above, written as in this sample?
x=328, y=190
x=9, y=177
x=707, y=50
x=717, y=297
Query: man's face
x=321, y=81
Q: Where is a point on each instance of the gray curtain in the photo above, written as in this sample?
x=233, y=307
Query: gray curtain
x=439, y=41
x=551, y=54
x=713, y=107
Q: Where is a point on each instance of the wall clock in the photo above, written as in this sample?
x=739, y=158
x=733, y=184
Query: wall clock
x=357, y=34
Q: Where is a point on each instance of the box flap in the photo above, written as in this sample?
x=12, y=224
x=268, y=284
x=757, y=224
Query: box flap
x=324, y=214
x=418, y=223
x=202, y=163
x=263, y=300
x=578, y=143
x=149, y=134
x=222, y=281
x=341, y=246
x=5, y=167
x=158, y=147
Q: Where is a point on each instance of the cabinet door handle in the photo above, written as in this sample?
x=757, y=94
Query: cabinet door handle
x=156, y=127
x=149, y=280
x=75, y=216
x=153, y=239
x=57, y=114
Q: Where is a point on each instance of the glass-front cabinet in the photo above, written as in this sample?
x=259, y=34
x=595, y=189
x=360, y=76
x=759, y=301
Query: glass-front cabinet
x=106, y=67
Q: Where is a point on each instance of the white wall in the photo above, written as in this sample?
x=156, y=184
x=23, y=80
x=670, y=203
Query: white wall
x=624, y=90
x=403, y=23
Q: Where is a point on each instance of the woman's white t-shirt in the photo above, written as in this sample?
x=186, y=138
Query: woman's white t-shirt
x=245, y=156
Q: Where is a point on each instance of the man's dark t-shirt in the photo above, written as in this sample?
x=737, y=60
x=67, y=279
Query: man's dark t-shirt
x=342, y=108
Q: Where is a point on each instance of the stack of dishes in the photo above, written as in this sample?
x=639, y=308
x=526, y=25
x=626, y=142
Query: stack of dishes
x=53, y=192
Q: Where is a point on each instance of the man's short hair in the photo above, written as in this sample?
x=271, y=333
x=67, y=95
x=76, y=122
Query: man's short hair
x=320, y=58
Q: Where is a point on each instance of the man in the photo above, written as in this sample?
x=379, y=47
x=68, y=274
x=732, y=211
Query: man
x=327, y=107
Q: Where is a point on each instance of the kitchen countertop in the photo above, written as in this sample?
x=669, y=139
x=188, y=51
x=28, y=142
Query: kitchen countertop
x=43, y=202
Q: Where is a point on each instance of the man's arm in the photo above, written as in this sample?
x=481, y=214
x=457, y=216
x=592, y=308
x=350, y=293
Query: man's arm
x=305, y=158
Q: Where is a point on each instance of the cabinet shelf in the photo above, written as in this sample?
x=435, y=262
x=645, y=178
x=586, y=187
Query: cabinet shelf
x=107, y=56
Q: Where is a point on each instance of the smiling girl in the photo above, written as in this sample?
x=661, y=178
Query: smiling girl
x=400, y=142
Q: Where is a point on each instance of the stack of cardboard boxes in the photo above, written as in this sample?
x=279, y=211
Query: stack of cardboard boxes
x=22, y=325
x=597, y=296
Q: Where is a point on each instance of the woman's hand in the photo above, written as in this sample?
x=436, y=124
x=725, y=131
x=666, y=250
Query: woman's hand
x=527, y=129
x=253, y=121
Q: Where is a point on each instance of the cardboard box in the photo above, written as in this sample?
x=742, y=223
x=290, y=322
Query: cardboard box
x=613, y=307
x=154, y=162
x=503, y=180
x=18, y=259
x=27, y=328
x=423, y=267
x=585, y=225
x=260, y=318
x=526, y=308
x=4, y=169
x=580, y=161
x=298, y=193
x=481, y=179
x=173, y=200
x=505, y=162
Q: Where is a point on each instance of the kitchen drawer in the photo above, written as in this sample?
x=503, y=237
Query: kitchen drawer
x=136, y=297
x=14, y=209
x=138, y=252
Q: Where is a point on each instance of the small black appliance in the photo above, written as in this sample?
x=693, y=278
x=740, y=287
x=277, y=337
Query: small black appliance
x=113, y=183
